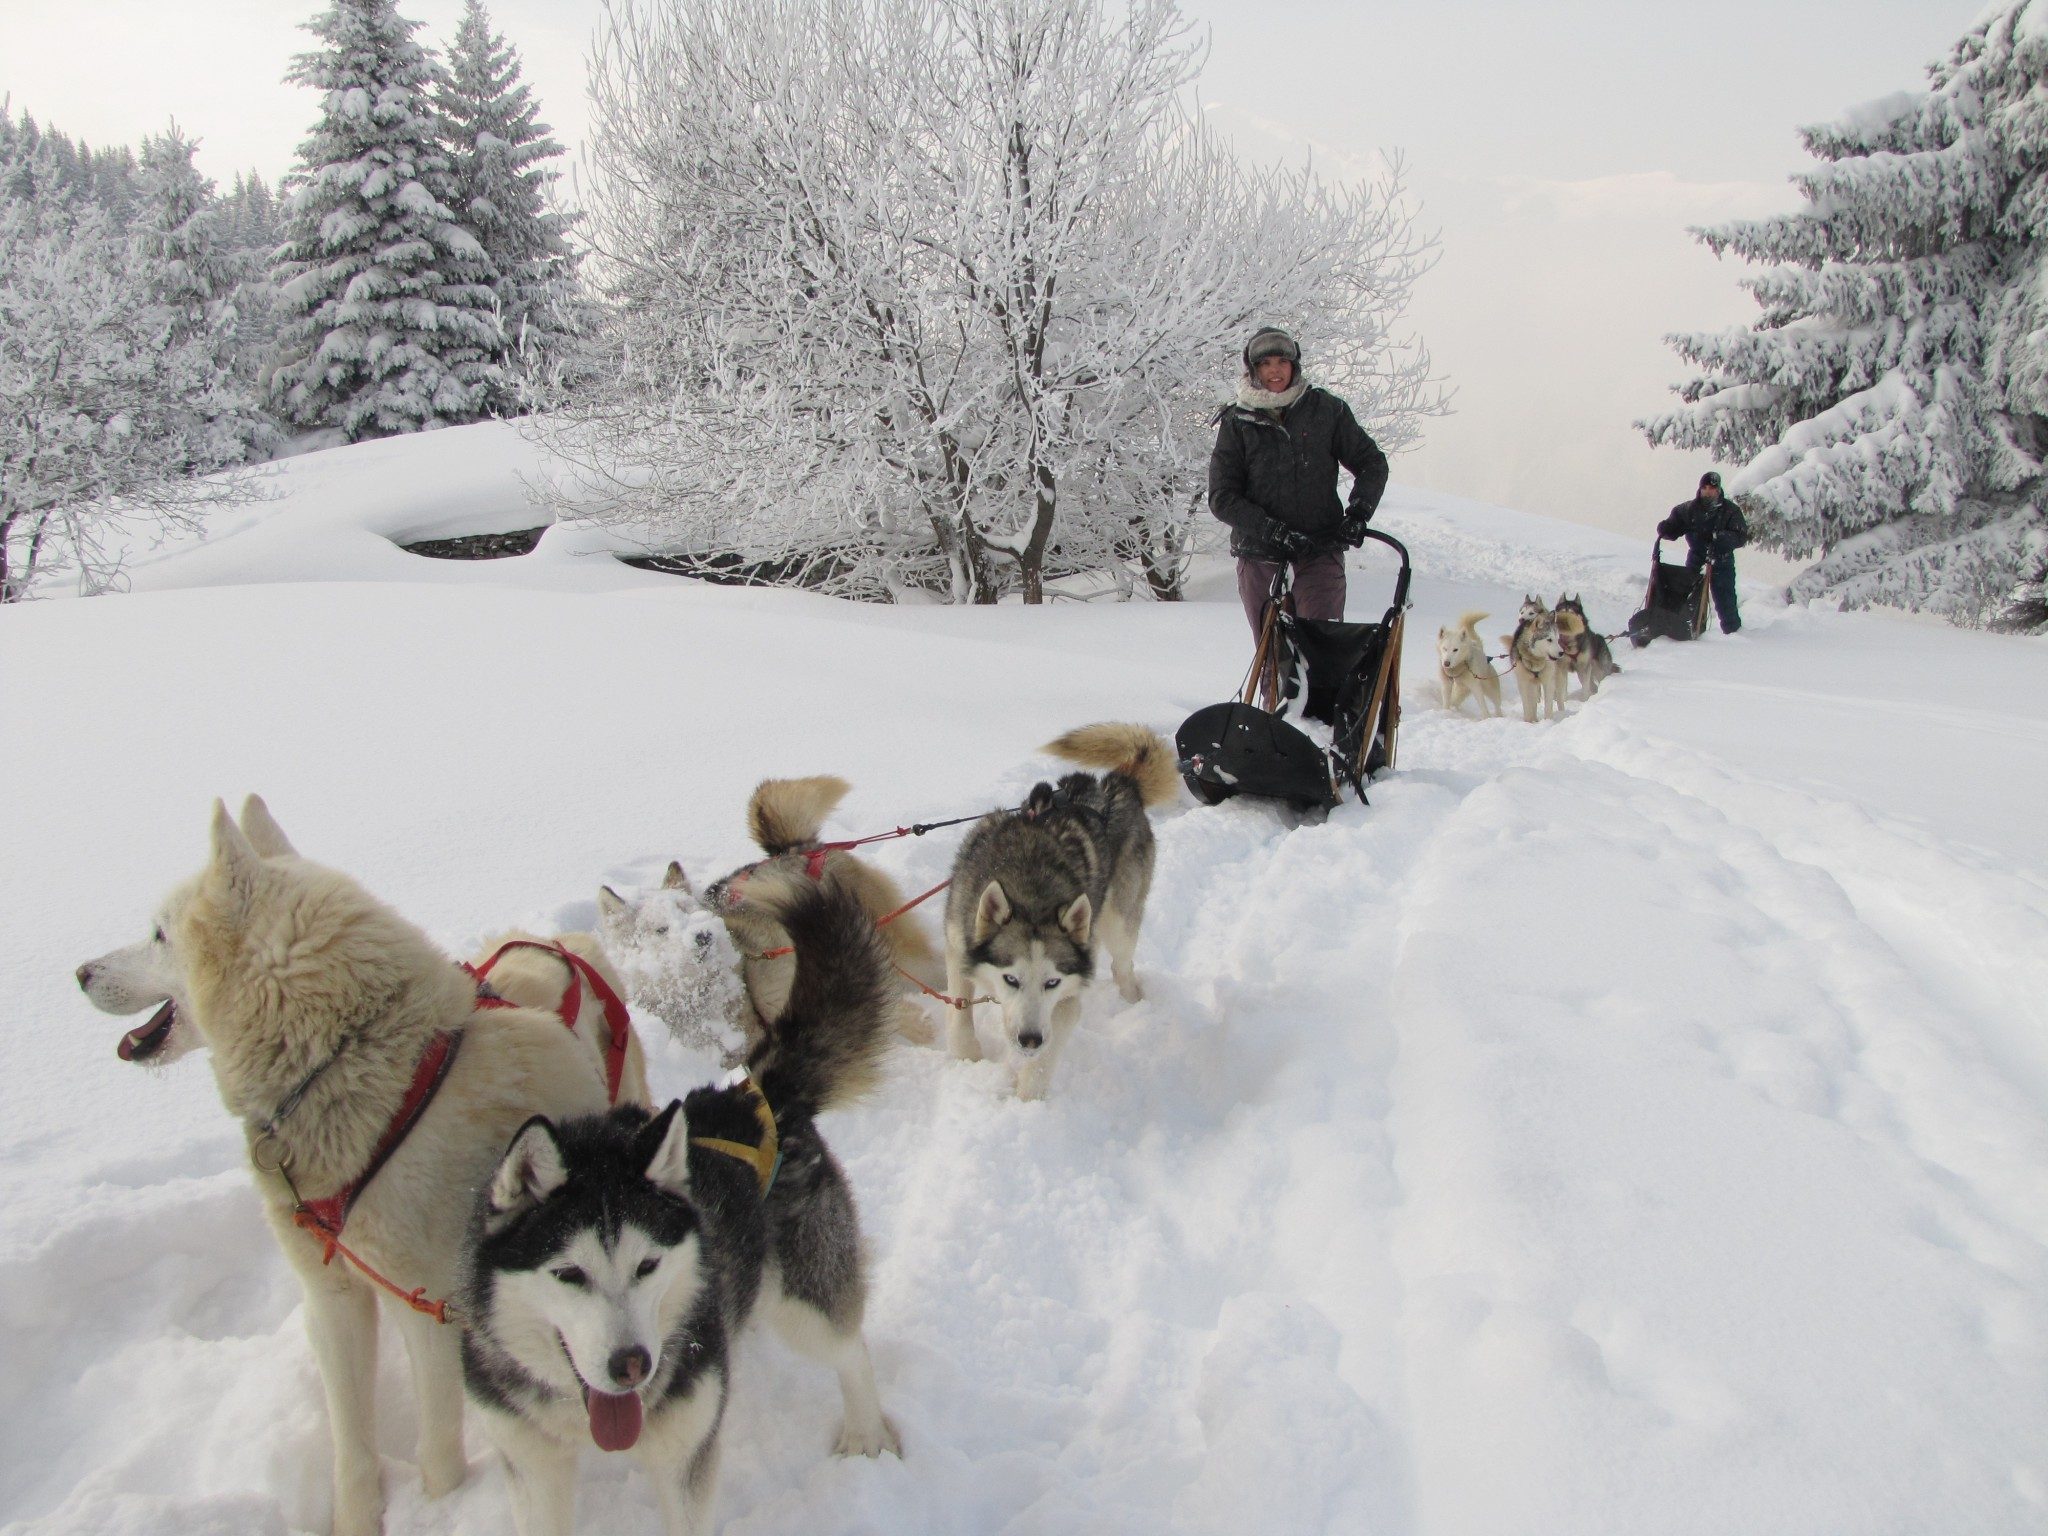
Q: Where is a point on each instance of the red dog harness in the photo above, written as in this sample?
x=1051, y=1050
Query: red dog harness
x=324, y=1218
x=618, y=1025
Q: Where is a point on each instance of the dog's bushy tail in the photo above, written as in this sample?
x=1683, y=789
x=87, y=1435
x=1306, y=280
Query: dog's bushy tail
x=827, y=1047
x=1470, y=620
x=1137, y=752
x=787, y=813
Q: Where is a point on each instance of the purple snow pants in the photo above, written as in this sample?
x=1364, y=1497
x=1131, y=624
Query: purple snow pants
x=1318, y=586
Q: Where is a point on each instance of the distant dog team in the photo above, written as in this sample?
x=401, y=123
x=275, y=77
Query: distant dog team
x=1548, y=648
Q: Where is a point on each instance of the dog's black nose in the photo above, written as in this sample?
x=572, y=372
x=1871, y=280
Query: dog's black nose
x=629, y=1367
x=84, y=974
x=1029, y=1043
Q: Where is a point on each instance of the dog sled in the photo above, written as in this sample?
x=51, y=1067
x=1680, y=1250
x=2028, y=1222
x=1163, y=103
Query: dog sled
x=1346, y=675
x=1675, y=606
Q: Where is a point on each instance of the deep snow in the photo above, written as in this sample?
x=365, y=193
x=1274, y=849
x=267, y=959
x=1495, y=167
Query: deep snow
x=1632, y=1124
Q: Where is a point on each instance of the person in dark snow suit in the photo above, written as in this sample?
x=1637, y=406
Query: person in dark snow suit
x=1273, y=480
x=1713, y=529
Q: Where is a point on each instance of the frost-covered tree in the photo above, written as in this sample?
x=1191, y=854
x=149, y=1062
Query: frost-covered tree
x=2027, y=611
x=196, y=279
x=500, y=153
x=1890, y=406
x=252, y=229
x=179, y=230
x=105, y=416
x=388, y=319
x=45, y=165
x=942, y=294
x=251, y=213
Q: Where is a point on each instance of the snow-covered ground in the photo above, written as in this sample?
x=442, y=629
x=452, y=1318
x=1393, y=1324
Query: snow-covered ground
x=1632, y=1124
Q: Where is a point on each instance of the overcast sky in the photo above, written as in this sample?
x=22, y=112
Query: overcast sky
x=1561, y=147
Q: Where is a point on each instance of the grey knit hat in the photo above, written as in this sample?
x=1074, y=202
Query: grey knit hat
x=1271, y=342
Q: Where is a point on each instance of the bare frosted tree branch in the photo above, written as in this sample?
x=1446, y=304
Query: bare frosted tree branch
x=943, y=295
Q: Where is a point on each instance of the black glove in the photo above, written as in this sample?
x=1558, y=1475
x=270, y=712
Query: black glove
x=1352, y=530
x=1291, y=543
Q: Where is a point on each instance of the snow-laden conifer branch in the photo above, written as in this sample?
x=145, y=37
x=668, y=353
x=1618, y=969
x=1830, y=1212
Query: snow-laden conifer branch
x=1890, y=407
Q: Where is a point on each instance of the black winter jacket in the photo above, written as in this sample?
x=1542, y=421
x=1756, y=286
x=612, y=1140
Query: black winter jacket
x=1286, y=470
x=1711, y=529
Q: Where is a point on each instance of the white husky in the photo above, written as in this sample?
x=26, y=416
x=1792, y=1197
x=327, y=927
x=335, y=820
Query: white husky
x=1463, y=669
x=713, y=968
x=331, y=1022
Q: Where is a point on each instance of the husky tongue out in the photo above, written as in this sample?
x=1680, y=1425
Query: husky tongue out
x=141, y=1044
x=614, y=1419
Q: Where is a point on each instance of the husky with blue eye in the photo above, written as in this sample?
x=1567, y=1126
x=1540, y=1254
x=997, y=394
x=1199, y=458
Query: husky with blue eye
x=613, y=1259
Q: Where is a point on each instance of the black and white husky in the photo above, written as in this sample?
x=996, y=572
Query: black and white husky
x=613, y=1259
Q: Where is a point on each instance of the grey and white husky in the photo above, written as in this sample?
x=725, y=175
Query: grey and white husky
x=1537, y=663
x=1586, y=651
x=613, y=1259
x=1037, y=891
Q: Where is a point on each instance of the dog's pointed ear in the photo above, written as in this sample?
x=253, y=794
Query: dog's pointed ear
x=665, y=1142
x=236, y=864
x=991, y=911
x=611, y=905
x=675, y=879
x=263, y=832
x=531, y=1170
x=1078, y=918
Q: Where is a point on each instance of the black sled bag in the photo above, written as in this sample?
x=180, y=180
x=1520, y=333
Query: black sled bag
x=1235, y=748
x=1671, y=607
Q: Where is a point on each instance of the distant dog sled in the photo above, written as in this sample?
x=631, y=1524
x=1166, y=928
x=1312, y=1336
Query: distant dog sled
x=1346, y=675
x=1675, y=606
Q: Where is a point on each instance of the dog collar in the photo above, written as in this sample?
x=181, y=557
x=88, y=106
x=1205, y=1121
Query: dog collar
x=764, y=1159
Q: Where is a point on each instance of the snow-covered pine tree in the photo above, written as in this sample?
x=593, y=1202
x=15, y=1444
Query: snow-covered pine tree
x=179, y=232
x=197, y=278
x=499, y=151
x=2027, y=612
x=44, y=165
x=252, y=231
x=251, y=215
x=388, y=319
x=1890, y=407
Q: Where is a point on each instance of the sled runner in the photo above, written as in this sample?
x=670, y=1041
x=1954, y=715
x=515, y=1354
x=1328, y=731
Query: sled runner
x=1346, y=675
x=1675, y=606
